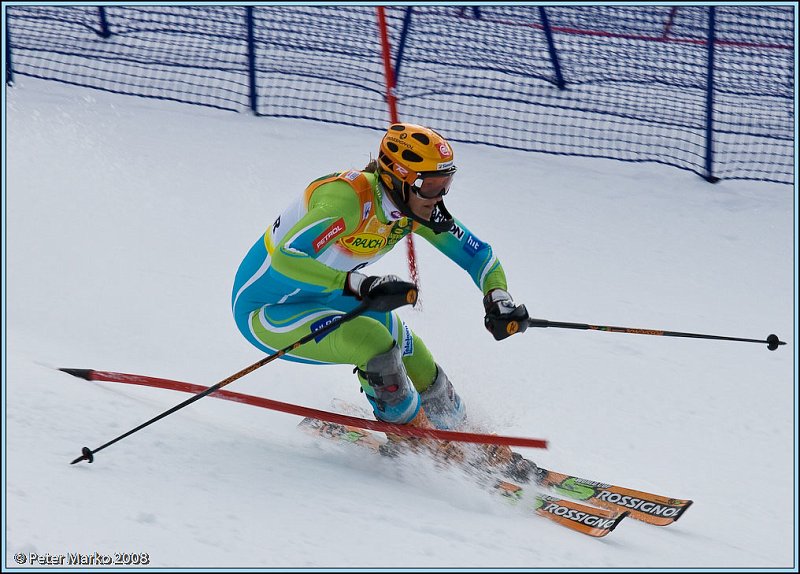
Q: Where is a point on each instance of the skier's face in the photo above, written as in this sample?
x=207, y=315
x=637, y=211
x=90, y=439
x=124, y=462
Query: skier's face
x=422, y=207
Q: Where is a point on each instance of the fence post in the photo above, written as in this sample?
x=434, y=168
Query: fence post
x=551, y=47
x=402, y=43
x=712, y=36
x=251, y=58
x=9, y=66
x=105, y=31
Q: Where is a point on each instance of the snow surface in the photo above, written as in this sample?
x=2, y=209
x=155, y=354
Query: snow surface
x=126, y=220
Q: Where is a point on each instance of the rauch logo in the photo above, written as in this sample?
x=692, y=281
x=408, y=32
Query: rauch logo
x=365, y=243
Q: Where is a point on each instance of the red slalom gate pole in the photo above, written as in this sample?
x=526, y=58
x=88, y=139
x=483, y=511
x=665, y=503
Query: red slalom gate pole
x=391, y=101
x=454, y=436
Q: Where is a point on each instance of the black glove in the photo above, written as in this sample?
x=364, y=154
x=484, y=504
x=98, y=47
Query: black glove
x=384, y=293
x=503, y=318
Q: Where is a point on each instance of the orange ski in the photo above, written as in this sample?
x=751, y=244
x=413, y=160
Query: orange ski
x=650, y=508
x=596, y=522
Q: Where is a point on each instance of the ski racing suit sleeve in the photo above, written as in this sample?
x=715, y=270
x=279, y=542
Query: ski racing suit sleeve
x=333, y=210
x=469, y=253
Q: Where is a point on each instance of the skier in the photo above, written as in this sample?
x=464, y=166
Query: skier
x=306, y=271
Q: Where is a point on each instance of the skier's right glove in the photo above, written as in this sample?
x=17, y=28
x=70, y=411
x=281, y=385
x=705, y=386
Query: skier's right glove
x=384, y=293
x=503, y=318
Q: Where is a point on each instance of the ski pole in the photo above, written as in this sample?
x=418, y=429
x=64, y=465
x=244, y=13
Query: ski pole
x=772, y=341
x=407, y=296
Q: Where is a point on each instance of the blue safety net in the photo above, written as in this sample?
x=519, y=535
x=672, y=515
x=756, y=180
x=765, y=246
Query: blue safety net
x=706, y=89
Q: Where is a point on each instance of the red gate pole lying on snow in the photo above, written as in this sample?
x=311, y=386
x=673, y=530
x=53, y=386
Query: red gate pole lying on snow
x=92, y=375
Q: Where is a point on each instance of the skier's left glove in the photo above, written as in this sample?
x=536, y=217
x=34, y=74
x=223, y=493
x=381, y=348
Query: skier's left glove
x=503, y=318
x=384, y=293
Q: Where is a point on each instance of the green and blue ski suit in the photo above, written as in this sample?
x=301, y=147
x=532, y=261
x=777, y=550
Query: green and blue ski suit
x=291, y=281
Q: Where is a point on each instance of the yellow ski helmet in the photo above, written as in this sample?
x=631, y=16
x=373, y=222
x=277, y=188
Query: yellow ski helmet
x=416, y=159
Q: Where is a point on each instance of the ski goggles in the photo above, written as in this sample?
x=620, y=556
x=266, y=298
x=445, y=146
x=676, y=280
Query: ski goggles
x=432, y=185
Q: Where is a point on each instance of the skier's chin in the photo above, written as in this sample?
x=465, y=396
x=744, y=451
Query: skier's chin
x=424, y=212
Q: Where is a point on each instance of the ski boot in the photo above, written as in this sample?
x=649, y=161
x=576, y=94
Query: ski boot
x=441, y=402
x=395, y=400
x=520, y=469
x=510, y=464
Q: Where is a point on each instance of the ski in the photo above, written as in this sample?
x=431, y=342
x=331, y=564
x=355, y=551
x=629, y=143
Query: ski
x=595, y=522
x=650, y=508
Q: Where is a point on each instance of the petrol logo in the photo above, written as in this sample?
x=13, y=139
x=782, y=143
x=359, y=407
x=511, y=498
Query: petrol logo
x=335, y=229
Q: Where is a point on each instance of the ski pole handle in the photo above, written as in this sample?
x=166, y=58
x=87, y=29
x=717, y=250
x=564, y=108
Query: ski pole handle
x=772, y=341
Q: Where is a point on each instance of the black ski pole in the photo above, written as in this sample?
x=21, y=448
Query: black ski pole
x=406, y=293
x=771, y=341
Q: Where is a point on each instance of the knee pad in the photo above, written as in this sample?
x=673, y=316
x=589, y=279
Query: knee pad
x=388, y=388
x=442, y=404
